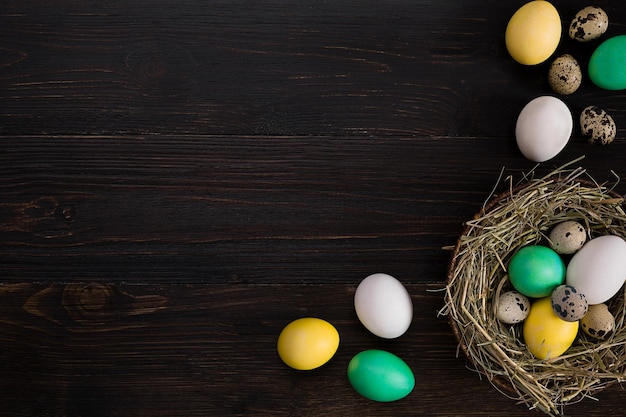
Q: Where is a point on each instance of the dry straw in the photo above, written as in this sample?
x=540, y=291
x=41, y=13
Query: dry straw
x=524, y=215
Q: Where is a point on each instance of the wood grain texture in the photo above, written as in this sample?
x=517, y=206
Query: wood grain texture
x=238, y=67
x=179, y=180
x=193, y=350
x=249, y=209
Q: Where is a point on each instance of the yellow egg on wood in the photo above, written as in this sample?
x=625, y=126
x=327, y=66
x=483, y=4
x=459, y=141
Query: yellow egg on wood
x=533, y=32
x=307, y=343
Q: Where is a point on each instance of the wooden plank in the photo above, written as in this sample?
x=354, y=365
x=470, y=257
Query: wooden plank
x=197, y=350
x=179, y=181
x=338, y=68
x=223, y=209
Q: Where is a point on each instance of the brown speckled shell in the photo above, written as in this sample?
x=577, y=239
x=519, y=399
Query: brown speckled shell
x=464, y=329
x=598, y=323
x=597, y=125
x=565, y=75
x=588, y=24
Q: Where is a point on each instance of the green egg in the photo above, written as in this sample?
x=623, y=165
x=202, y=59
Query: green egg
x=607, y=65
x=536, y=270
x=381, y=376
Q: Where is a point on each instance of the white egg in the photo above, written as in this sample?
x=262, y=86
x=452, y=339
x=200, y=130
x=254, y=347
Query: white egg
x=544, y=126
x=383, y=306
x=598, y=269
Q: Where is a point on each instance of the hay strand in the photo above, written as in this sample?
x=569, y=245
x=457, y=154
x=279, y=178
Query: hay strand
x=521, y=216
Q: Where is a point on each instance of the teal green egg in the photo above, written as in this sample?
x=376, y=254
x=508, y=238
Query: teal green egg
x=607, y=65
x=380, y=376
x=536, y=270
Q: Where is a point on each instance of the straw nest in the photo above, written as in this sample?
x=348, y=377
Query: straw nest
x=524, y=215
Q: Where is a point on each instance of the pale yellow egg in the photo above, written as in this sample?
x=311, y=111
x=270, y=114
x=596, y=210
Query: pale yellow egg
x=533, y=32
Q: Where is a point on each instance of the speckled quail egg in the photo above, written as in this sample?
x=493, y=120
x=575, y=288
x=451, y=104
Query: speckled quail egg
x=597, y=125
x=565, y=75
x=567, y=237
x=568, y=303
x=598, y=322
x=588, y=24
x=513, y=307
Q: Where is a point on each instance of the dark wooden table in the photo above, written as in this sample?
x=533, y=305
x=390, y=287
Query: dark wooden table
x=181, y=179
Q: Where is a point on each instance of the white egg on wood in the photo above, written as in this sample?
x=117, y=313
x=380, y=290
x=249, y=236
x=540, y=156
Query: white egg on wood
x=383, y=305
x=543, y=128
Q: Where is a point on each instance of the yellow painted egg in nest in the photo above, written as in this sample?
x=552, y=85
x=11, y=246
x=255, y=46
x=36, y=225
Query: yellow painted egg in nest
x=533, y=32
x=546, y=335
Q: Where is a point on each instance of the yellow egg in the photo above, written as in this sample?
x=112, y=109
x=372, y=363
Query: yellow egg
x=307, y=343
x=533, y=33
x=546, y=335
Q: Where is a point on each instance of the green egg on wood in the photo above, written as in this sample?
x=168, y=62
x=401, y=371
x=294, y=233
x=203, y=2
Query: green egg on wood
x=607, y=65
x=380, y=376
